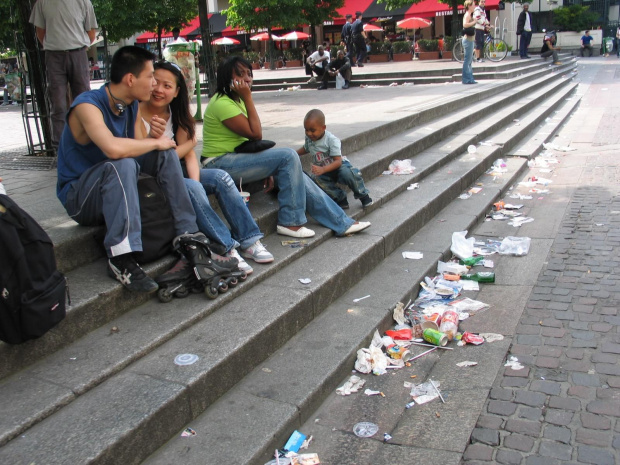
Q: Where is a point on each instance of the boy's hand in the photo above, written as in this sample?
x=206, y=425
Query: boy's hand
x=164, y=143
x=268, y=184
x=158, y=127
x=318, y=170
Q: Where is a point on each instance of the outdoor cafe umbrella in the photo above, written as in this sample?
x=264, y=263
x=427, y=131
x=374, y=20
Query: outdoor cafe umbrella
x=225, y=41
x=372, y=27
x=414, y=23
x=264, y=36
x=295, y=35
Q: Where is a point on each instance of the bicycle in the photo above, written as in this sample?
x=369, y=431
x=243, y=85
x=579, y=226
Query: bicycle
x=494, y=49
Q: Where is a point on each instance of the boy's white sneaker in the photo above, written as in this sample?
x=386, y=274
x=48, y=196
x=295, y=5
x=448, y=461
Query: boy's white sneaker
x=258, y=253
x=243, y=265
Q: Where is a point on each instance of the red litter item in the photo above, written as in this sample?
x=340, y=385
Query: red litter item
x=471, y=338
x=405, y=334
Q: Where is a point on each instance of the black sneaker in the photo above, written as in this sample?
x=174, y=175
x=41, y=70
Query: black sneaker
x=344, y=204
x=366, y=201
x=126, y=270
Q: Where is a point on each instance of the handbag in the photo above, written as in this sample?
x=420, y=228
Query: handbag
x=469, y=31
x=253, y=146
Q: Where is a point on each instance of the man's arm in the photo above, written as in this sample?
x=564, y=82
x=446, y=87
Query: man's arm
x=87, y=125
x=40, y=34
x=92, y=34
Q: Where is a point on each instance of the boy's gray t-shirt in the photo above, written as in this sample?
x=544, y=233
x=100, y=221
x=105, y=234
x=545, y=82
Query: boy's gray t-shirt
x=66, y=23
x=324, y=150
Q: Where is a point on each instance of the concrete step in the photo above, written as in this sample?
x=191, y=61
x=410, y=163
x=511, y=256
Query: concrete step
x=97, y=300
x=89, y=371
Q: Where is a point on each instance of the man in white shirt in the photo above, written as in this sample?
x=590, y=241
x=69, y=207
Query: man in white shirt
x=524, y=29
x=318, y=62
x=481, y=24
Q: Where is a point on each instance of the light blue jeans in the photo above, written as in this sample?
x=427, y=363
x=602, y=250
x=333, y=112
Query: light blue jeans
x=468, y=51
x=297, y=192
x=243, y=229
x=347, y=175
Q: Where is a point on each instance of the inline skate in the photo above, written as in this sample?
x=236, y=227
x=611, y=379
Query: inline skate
x=211, y=273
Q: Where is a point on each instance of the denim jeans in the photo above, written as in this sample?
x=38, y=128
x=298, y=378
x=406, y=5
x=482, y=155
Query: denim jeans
x=297, y=192
x=107, y=193
x=468, y=51
x=347, y=175
x=524, y=43
x=243, y=229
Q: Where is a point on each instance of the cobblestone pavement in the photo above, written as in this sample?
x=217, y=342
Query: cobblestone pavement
x=564, y=405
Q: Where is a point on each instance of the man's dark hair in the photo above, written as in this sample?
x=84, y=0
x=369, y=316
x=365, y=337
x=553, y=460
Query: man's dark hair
x=315, y=115
x=349, y=17
x=225, y=74
x=129, y=60
x=358, y=14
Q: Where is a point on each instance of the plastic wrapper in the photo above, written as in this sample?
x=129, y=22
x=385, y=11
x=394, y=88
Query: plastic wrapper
x=470, y=338
x=400, y=167
x=425, y=392
x=399, y=313
x=461, y=246
x=468, y=305
x=401, y=334
x=352, y=385
x=518, y=246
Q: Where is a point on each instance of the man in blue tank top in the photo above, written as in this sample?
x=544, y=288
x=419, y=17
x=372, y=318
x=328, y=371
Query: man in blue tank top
x=103, y=148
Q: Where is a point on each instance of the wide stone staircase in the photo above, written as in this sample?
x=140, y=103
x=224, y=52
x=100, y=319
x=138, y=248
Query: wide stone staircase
x=102, y=387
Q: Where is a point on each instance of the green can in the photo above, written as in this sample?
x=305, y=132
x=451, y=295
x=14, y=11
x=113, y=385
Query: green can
x=435, y=337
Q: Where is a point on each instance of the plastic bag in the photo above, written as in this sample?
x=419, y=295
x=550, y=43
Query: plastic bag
x=518, y=246
x=462, y=247
x=400, y=167
x=339, y=81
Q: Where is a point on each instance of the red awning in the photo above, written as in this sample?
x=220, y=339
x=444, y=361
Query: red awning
x=349, y=8
x=152, y=36
x=432, y=8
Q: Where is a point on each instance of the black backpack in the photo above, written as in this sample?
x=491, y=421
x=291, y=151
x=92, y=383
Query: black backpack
x=32, y=290
x=156, y=218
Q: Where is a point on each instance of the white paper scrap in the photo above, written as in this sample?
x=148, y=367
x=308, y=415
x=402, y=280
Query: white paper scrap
x=413, y=255
x=466, y=364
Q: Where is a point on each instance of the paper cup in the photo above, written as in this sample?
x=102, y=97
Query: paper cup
x=430, y=325
x=245, y=196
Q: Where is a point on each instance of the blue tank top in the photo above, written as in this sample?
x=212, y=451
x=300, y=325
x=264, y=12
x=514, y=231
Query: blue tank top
x=74, y=158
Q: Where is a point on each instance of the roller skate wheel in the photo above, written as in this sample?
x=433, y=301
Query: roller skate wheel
x=182, y=293
x=232, y=282
x=164, y=296
x=222, y=286
x=211, y=292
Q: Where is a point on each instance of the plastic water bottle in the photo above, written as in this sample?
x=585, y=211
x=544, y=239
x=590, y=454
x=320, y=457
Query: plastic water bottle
x=481, y=277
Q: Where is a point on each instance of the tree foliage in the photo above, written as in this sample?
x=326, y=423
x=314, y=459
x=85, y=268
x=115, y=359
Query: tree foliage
x=8, y=25
x=574, y=17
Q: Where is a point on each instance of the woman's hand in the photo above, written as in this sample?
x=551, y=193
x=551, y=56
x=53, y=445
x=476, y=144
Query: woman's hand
x=158, y=127
x=242, y=89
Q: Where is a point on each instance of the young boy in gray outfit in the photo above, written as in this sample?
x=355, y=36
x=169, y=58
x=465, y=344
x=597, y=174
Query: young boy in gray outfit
x=329, y=167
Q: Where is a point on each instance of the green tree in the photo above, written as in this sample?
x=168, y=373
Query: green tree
x=8, y=25
x=574, y=17
x=165, y=15
x=317, y=11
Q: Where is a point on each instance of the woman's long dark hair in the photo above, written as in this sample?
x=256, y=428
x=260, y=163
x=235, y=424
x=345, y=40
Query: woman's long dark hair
x=225, y=74
x=179, y=107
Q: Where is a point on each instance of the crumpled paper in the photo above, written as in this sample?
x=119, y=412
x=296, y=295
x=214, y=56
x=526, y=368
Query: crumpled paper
x=353, y=384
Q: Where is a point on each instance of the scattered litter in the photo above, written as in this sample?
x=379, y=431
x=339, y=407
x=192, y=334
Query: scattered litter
x=471, y=285
x=294, y=244
x=492, y=337
x=295, y=441
x=470, y=338
x=466, y=364
x=305, y=459
x=413, y=255
x=370, y=392
x=306, y=443
x=464, y=196
x=409, y=405
x=552, y=146
x=471, y=149
x=462, y=247
x=521, y=196
x=399, y=313
x=279, y=461
x=516, y=222
x=425, y=392
x=386, y=437
x=518, y=246
x=361, y=298
x=413, y=186
x=187, y=432
x=513, y=363
x=352, y=385
x=185, y=359
x=305, y=280
x=394, y=84
x=400, y=167
x=474, y=190
x=365, y=429
x=468, y=305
